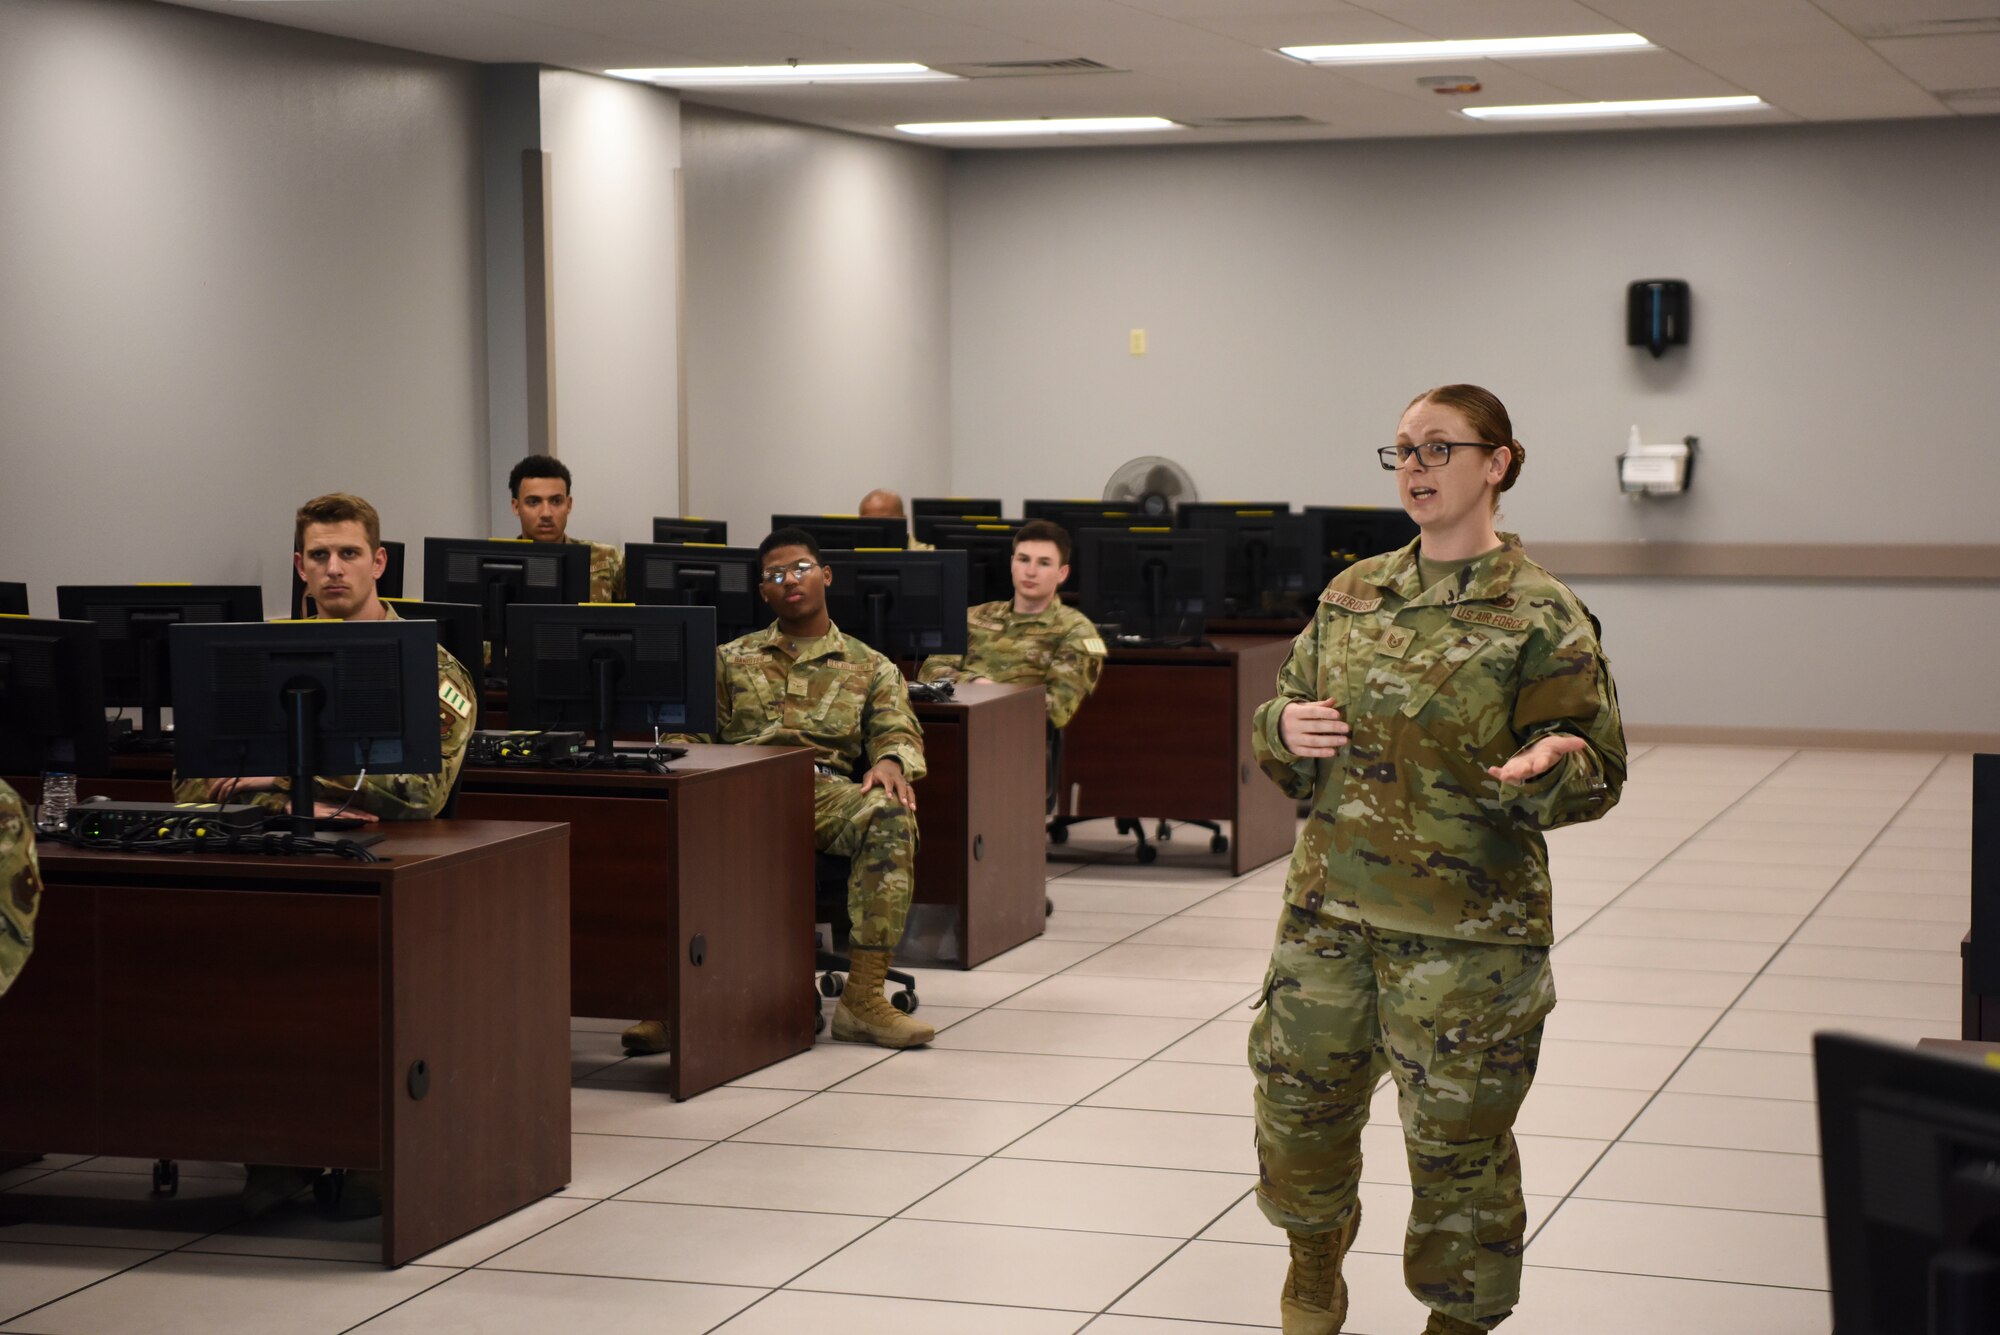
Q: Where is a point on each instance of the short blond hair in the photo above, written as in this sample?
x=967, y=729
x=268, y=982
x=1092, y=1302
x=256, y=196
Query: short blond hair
x=336, y=507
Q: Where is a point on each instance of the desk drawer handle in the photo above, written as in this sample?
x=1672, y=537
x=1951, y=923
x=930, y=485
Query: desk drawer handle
x=697, y=950
x=420, y=1078
x=978, y=847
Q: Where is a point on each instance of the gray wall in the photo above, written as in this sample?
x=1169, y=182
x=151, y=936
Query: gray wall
x=241, y=266
x=1295, y=297
x=614, y=147
x=817, y=300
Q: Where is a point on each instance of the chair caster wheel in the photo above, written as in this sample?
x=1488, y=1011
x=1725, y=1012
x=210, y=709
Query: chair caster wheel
x=166, y=1177
x=904, y=1001
x=1148, y=854
x=1048, y=907
x=1163, y=832
x=329, y=1186
x=1058, y=834
x=1219, y=844
x=831, y=984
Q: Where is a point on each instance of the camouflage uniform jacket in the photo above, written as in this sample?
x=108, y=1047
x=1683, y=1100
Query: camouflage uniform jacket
x=607, y=571
x=1056, y=648
x=1408, y=832
x=385, y=796
x=20, y=887
x=838, y=697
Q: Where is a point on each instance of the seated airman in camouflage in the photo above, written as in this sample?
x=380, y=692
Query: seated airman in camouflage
x=882, y=503
x=540, y=488
x=1449, y=703
x=337, y=549
x=1032, y=638
x=802, y=682
x=20, y=887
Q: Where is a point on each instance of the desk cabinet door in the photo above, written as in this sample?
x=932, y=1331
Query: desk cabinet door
x=241, y=1024
x=48, y=1033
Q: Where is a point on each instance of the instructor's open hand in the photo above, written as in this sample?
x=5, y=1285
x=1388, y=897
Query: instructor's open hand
x=1313, y=729
x=1537, y=759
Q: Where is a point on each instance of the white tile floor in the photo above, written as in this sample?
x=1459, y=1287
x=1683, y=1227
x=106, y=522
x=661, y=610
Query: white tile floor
x=1074, y=1153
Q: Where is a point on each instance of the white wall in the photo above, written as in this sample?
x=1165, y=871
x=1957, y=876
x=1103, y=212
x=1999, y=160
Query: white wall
x=817, y=319
x=1845, y=280
x=240, y=267
x=614, y=147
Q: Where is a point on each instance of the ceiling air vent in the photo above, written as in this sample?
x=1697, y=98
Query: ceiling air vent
x=1016, y=69
x=1247, y=122
x=1931, y=27
x=1970, y=99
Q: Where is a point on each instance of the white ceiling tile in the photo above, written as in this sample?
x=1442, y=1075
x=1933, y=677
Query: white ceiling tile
x=1204, y=57
x=1945, y=62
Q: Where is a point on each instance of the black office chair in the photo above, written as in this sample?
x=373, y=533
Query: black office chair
x=830, y=906
x=1058, y=828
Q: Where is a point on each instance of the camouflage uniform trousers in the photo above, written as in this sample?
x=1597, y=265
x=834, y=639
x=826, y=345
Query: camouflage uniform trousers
x=875, y=831
x=1459, y=1026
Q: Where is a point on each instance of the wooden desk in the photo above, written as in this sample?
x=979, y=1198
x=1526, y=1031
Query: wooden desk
x=1167, y=734
x=690, y=898
x=979, y=815
x=266, y=1010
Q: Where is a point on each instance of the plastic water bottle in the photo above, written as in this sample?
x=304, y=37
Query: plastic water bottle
x=58, y=796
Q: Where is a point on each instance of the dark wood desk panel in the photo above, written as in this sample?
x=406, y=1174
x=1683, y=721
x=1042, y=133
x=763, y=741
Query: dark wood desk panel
x=1167, y=734
x=979, y=815
x=255, y=1009
x=690, y=898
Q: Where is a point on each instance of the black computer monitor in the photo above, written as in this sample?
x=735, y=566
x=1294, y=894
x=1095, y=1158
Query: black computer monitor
x=689, y=528
x=1155, y=585
x=1350, y=533
x=132, y=624
x=989, y=558
x=1910, y=1159
x=683, y=574
x=848, y=532
x=461, y=629
x=389, y=586
x=955, y=505
x=494, y=573
x=13, y=599
x=1271, y=566
x=613, y=668
x=51, y=698
x=305, y=698
x=925, y=528
x=903, y=604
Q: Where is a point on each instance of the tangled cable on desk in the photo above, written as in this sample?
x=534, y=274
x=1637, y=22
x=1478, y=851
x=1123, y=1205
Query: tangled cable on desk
x=271, y=843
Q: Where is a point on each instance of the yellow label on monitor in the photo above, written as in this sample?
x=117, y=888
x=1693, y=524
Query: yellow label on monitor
x=607, y=604
x=719, y=546
x=840, y=516
x=872, y=549
x=979, y=516
x=17, y=616
x=1255, y=514
x=995, y=528
x=1143, y=528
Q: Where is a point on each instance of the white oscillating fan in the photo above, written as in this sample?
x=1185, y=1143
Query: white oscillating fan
x=1151, y=485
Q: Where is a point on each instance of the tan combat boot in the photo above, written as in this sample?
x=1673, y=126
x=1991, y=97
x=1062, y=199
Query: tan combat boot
x=1315, y=1296
x=645, y=1037
x=1440, y=1324
x=864, y=1015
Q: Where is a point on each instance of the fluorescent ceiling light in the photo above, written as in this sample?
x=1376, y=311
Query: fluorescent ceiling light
x=1074, y=125
x=1496, y=48
x=1665, y=106
x=715, y=76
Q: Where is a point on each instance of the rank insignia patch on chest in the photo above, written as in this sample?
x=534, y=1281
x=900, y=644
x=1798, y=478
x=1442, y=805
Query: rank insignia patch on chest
x=1487, y=617
x=454, y=700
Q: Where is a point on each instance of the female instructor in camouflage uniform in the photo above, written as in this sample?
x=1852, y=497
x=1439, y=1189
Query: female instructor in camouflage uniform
x=1447, y=705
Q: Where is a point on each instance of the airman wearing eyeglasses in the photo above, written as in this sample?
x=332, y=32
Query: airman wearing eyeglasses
x=1449, y=704
x=802, y=682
